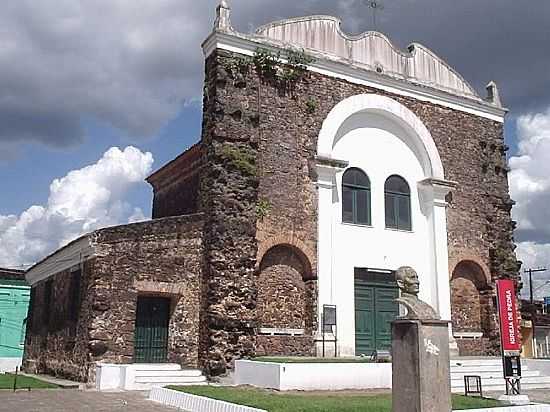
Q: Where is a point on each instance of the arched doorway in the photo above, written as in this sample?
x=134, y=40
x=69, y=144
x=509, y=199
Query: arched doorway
x=286, y=302
x=468, y=300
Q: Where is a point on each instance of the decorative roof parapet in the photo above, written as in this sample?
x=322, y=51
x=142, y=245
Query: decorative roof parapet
x=372, y=50
x=223, y=17
x=369, y=58
x=493, y=95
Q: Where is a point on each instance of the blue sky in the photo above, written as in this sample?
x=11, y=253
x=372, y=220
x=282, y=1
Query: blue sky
x=78, y=78
x=27, y=177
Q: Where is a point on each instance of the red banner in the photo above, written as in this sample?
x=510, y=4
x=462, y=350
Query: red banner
x=509, y=328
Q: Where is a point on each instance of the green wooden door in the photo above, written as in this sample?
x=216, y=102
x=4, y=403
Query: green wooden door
x=375, y=309
x=151, y=332
x=386, y=312
x=364, y=320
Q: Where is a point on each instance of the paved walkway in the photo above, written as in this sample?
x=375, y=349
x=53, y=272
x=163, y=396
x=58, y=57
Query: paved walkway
x=70, y=400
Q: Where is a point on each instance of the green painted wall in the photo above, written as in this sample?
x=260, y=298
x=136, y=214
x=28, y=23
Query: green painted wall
x=14, y=304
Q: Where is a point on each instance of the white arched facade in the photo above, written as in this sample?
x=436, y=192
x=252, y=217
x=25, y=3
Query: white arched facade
x=381, y=137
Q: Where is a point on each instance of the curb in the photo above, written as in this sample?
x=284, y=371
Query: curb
x=194, y=403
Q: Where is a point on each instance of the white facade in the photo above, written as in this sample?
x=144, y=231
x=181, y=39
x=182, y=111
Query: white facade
x=382, y=138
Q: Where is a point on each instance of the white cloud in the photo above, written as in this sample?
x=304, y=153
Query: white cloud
x=82, y=201
x=530, y=188
x=133, y=64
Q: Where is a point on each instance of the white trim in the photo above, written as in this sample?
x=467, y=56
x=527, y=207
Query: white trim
x=280, y=332
x=63, y=259
x=389, y=108
x=356, y=74
x=468, y=335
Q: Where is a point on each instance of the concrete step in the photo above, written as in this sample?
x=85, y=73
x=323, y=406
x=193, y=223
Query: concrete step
x=156, y=367
x=490, y=374
x=191, y=373
x=170, y=379
x=502, y=387
x=533, y=382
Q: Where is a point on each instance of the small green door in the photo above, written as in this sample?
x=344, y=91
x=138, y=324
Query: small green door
x=151, y=332
x=375, y=309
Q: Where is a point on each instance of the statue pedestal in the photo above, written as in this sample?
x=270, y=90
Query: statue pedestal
x=421, y=366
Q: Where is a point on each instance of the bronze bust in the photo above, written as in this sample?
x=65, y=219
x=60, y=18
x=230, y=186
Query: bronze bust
x=407, y=281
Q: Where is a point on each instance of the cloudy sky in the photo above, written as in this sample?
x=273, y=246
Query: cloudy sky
x=95, y=94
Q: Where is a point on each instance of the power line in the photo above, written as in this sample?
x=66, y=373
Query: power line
x=531, y=271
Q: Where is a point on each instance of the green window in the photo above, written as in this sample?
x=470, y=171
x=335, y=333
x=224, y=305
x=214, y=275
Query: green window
x=398, y=203
x=356, y=202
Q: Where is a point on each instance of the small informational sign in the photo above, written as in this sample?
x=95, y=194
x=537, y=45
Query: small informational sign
x=329, y=315
x=509, y=327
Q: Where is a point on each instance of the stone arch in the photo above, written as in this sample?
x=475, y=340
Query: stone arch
x=464, y=255
x=469, y=300
x=298, y=247
x=285, y=289
x=416, y=131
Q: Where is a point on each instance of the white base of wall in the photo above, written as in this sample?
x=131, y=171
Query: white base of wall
x=144, y=376
x=193, y=403
x=9, y=364
x=313, y=376
x=338, y=376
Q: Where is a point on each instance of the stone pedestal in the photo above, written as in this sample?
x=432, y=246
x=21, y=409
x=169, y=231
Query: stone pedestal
x=421, y=366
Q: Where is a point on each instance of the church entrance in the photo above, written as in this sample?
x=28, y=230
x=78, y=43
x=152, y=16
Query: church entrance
x=375, y=309
x=151, y=331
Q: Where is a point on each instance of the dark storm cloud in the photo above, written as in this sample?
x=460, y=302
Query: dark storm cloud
x=133, y=64
x=502, y=40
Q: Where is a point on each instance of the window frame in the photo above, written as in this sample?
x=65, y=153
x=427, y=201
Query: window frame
x=396, y=197
x=355, y=189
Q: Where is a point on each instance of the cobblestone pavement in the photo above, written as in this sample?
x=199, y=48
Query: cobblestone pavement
x=69, y=400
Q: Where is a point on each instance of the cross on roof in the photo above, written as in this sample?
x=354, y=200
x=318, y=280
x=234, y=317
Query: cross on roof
x=375, y=6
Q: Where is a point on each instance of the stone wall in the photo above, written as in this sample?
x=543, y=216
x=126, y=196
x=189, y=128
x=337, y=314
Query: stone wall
x=281, y=122
x=162, y=257
x=229, y=194
x=176, y=184
x=285, y=345
x=57, y=338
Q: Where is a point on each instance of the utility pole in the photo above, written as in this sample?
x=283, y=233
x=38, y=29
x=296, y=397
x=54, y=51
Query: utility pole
x=531, y=271
x=533, y=308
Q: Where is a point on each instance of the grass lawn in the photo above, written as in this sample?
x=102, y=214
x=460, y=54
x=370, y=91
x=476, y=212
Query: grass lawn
x=273, y=359
x=316, y=402
x=23, y=382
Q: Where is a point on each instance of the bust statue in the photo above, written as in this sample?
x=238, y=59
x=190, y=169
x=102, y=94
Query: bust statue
x=407, y=281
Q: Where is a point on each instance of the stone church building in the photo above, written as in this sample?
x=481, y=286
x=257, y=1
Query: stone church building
x=326, y=162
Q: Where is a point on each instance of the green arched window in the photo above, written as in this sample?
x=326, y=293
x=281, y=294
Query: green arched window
x=356, y=198
x=398, y=203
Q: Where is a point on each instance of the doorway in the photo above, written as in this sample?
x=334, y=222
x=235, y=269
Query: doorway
x=151, y=330
x=375, y=309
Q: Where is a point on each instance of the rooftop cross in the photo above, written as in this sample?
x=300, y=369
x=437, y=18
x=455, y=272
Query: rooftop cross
x=376, y=6
x=223, y=17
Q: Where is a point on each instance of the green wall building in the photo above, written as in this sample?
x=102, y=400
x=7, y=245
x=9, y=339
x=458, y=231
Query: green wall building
x=14, y=305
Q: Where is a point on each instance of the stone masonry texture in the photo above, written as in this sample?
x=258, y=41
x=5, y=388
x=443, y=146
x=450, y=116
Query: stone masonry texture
x=247, y=259
x=157, y=258
x=280, y=124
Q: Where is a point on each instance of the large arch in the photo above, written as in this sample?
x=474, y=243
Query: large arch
x=469, y=298
x=382, y=137
x=389, y=108
x=286, y=302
